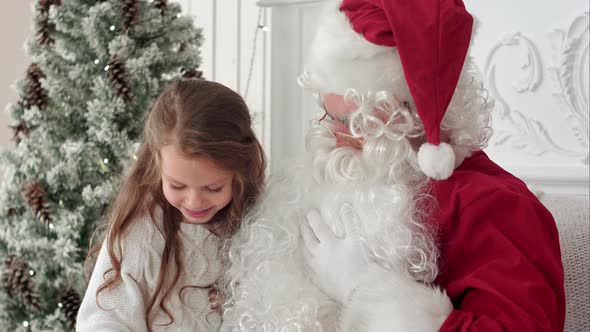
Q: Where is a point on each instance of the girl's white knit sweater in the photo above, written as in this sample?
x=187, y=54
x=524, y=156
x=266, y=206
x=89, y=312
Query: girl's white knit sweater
x=122, y=308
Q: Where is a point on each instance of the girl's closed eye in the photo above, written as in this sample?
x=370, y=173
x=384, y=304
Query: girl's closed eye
x=215, y=189
x=176, y=187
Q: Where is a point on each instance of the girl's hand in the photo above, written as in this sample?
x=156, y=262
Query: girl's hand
x=337, y=264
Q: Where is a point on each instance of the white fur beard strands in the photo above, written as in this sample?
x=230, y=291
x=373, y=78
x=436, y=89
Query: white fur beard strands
x=269, y=288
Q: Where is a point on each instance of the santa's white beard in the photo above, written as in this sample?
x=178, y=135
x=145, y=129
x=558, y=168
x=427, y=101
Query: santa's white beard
x=268, y=284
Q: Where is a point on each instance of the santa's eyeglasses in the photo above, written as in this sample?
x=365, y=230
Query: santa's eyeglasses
x=342, y=139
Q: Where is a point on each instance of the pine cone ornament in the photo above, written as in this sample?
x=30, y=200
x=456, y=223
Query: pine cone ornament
x=37, y=197
x=11, y=212
x=35, y=95
x=45, y=28
x=69, y=302
x=118, y=78
x=21, y=130
x=18, y=284
x=130, y=13
x=191, y=73
x=7, y=275
x=45, y=4
x=162, y=5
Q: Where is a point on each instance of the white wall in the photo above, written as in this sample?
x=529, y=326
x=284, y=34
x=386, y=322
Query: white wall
x=235, y=50
x=15, y=28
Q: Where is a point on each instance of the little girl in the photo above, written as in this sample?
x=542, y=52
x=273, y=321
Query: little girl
x=199, y=169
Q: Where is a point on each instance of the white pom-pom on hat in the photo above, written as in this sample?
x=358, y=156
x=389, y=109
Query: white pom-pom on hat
x=436, y=161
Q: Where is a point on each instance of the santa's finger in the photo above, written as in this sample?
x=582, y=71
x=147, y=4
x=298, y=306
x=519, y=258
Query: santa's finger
x=309, y=238
x=350, y=221
x=321, y=230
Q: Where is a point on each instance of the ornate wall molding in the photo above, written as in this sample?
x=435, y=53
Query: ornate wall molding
x=522, y=131
x=570, y=75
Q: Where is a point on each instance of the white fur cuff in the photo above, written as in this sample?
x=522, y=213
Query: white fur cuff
x=389, y=301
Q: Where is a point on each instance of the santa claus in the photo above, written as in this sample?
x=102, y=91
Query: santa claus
x=396, y=220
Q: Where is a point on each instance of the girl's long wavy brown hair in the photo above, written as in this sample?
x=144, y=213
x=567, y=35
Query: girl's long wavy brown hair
x=204, y=119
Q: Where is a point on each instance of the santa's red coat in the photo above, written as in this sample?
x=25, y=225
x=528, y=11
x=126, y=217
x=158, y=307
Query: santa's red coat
x=500, y=258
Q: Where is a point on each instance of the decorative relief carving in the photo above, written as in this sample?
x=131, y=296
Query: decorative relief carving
x=513, y=127
x=569, y=75
x=531, y=64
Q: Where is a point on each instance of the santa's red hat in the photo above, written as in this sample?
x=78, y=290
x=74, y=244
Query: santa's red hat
x=362, y=44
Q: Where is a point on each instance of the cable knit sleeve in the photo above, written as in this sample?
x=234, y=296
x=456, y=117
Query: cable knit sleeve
x=121, y=308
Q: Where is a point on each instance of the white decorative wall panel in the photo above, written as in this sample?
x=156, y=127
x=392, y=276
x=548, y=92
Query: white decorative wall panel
x=235, y=50
x=535, y=61
x=291, y=108
x=533, y=56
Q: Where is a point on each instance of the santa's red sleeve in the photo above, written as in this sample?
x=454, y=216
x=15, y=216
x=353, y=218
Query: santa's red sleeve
x=500, y=259
x=500, y=264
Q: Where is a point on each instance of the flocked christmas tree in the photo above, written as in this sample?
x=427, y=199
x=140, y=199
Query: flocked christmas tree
x=97, y=67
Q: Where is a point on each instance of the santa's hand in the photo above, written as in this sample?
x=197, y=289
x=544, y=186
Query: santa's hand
x=337, y=263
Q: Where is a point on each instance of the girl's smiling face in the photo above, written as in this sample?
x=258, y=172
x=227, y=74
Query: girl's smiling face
x=196, y=186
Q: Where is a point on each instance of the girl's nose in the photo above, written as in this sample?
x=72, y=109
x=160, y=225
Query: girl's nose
x=195, y=201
